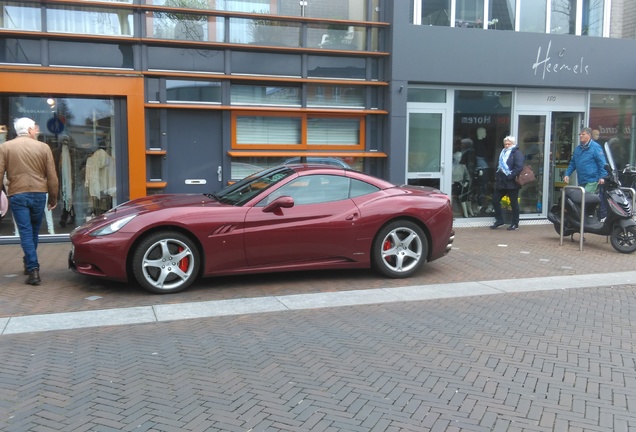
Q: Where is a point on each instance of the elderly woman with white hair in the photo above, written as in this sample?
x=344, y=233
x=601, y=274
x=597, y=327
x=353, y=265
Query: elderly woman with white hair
x=509, y=166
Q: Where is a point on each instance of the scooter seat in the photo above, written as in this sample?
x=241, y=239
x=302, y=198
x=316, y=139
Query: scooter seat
x=575, y=196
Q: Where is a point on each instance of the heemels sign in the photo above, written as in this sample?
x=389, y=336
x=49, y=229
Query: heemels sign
x=546, y=65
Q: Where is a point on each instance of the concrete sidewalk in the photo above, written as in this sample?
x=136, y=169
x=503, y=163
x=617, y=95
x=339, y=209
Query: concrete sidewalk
x=295, y=302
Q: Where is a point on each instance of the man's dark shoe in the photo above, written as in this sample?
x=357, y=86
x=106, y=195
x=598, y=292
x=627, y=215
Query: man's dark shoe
x=34, y=277
x=513, y=227
x=26, y=271
x=496, y=225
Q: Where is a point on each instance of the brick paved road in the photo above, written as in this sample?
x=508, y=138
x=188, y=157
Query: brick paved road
x=552, y=360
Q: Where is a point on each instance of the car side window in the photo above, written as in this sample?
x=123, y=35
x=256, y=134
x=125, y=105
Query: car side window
x=314, y=189
x=359, y=188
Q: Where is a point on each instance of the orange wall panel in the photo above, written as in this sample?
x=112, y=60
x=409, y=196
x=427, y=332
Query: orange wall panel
x=64, y=84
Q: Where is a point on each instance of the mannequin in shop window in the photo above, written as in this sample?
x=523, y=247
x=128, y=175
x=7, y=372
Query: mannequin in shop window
x=482, y=169
x=100, y=180
x=65, y=173
x=461, y=185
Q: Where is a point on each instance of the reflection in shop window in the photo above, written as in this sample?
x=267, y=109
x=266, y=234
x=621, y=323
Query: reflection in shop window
x=80, y=133
x=532, y=15
x=563, y=17
x=181, y=26
x=592, y=18
x=612, y=115
x=264, y=32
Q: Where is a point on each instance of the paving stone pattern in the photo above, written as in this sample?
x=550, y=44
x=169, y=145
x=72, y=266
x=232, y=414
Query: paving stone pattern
x=479, y=254
x=558, y=360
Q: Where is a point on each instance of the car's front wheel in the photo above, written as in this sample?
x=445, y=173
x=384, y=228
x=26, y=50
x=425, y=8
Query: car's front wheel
x=166, y=262
x=399, y=249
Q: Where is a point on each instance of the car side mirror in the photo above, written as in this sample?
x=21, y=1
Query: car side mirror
x=280, y=202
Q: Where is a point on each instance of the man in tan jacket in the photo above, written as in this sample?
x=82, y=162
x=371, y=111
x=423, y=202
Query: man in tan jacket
x=31, y=174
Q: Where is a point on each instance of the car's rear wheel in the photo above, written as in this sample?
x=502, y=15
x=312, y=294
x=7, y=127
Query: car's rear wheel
x=166, y=262
x=399, y=249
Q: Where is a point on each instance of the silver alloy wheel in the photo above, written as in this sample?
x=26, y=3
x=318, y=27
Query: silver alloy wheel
x=401, y=249
x=163, y=261
x=166, y=262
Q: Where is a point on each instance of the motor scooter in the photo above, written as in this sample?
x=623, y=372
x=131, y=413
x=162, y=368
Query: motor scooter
x=619, y=223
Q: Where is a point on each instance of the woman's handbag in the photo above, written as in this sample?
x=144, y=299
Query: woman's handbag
x=525, y=176
x=4, y=204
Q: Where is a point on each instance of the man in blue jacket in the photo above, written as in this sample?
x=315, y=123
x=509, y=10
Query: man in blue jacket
x=588, y=161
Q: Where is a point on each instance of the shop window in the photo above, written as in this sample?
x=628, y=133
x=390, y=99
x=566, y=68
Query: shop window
x=20, y=16
x=265, y=95
x=84, y=141
x=612, y=116
x=481, y=121
x=96, y=21
x=65, y=53
x=184, y=59
x=299, y=131
x=335, y=96
x=336, y=67
x=193, y=91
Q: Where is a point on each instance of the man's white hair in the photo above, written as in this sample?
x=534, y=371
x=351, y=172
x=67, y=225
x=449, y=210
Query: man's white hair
x=22, y=125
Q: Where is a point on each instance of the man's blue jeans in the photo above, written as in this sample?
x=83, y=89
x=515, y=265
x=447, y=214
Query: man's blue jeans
x=28, y=210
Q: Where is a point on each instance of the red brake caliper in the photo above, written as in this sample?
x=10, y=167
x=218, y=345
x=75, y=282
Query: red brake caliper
x=184, y=263
x=386, y=246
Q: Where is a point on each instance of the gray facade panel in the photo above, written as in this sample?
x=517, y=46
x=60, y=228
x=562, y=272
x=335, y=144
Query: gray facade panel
x=458, y=56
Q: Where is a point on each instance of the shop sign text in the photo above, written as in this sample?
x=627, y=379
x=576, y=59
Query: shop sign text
x=545, y=65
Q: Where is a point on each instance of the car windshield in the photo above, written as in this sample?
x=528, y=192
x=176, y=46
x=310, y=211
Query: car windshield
x=241, y=192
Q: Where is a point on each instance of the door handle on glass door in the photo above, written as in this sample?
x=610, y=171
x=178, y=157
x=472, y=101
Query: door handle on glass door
x=219, y=172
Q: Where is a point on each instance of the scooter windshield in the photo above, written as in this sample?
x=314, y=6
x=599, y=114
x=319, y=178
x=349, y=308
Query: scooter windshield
x=610, y=159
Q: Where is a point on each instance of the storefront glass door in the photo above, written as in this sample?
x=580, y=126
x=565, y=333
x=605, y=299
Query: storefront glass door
x=426, y=153
x=546, y=140
x=531, y=138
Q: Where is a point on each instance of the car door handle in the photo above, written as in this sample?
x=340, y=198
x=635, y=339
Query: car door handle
x=352, y=217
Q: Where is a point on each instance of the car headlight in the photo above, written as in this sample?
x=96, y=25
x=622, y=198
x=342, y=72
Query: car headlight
x=113, y=227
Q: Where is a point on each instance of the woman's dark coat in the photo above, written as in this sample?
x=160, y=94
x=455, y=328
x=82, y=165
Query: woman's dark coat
x=515, y=164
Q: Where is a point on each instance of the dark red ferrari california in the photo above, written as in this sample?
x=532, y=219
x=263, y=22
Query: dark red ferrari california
x=287, y=218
